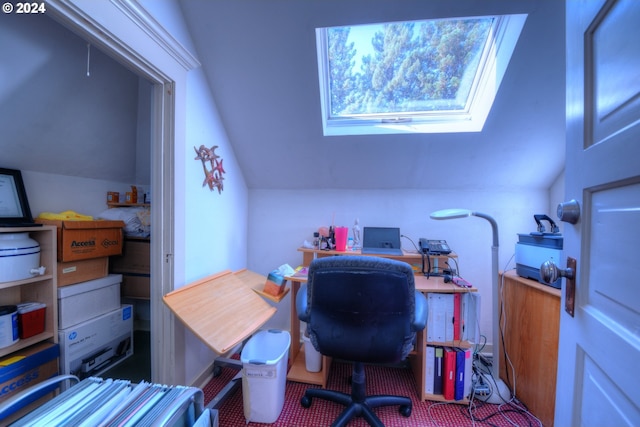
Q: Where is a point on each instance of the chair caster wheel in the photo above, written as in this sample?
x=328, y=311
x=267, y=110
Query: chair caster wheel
x=305, y=401
x=405, y=410
x=217, y=370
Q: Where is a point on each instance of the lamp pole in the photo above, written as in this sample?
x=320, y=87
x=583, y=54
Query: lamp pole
x=495, y=364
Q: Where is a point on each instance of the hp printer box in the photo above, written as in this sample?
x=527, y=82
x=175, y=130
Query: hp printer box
x=91, y=347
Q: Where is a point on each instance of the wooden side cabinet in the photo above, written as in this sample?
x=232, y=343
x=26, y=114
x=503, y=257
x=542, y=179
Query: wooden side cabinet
x=531, y=320
x=36, y=289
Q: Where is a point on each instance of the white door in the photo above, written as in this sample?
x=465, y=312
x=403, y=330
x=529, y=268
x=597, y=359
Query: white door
x=598, y=381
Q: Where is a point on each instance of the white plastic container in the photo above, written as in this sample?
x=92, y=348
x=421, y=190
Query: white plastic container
x=19, y=257
x=8, y=325
x=264, y=375
x=312, y=357
x=86, y=300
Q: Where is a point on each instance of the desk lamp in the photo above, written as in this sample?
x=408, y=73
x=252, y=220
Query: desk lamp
x=463, y=213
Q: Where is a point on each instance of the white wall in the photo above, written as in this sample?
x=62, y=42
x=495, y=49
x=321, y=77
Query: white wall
x=57, y=193
x=279, y=222
x=210, y=228
x=215, y=223
x=556, y=196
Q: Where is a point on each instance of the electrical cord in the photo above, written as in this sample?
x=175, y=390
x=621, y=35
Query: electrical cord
x=478, y=404
x=455, y=272
x=502, y=324
x=428, y=271
x=511, y=410
x=481, y=371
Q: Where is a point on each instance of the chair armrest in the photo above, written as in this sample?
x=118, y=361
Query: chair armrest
x=422, y=310
x=301, y=303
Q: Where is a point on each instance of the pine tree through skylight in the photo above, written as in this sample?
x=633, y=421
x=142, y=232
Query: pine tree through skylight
x=416, y=76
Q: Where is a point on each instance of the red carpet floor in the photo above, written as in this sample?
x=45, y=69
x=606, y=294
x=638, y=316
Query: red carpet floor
x=380, y=380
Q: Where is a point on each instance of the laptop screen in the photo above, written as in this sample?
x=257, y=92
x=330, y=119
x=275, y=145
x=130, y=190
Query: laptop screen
x=381, y=237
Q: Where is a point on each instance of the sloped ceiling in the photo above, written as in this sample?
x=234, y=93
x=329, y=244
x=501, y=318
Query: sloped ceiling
x=54, y=117
x=260, y=60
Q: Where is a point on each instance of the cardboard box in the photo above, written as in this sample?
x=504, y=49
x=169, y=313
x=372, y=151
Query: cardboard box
x=23, y=369
x=135, y=258
x=72, y=272
x=86, y=300
x=92, y=347
x=87, y=239
x=275, y=283
x=136, y=286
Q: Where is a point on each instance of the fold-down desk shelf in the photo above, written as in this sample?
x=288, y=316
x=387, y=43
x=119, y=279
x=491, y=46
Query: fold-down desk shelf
x=222, y=309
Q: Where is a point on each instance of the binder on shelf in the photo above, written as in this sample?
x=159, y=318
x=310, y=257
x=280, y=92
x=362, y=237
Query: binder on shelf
x=460, y=371
x=429, y=372
x=438, y=372
x=457, y=321
x=468, y=371
x=436, y=319
x=448, y=383
x=440, y=321
x=449, y=316
x=471, y=317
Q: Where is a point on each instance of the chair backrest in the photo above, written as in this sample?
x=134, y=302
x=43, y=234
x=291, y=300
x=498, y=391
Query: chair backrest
x=360, y=308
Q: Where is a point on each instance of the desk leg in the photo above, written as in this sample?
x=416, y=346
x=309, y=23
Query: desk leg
x=307, y=257
x=294, y=348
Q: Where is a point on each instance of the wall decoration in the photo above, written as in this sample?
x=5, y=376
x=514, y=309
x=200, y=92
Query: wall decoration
x=212, y=165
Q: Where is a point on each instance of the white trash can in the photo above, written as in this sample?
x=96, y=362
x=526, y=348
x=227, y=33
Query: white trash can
x=264, y=375
x=312, y=357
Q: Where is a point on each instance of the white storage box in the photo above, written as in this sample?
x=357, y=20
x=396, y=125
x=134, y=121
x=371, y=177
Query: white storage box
x=91, y=347
x=86, y=300
x=264, y=375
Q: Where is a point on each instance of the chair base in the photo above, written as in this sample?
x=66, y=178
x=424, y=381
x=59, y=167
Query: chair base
x=357, y=404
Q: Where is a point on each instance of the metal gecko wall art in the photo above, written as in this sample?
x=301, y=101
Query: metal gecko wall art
x=212, y=165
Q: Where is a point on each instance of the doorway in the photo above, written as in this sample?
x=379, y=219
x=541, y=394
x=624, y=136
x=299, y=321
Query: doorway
x=161, y=343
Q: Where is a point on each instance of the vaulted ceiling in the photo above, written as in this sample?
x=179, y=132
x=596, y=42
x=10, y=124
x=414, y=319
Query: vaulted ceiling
x=259, y=57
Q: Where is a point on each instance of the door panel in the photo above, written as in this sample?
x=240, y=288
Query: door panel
x=615, y=232
x=613, y=103
x=614, y=403
x=599, y=348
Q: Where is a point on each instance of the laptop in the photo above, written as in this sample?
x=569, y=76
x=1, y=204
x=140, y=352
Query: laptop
x=381, y=241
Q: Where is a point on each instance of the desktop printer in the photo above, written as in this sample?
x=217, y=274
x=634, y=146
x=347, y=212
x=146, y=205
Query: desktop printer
x=537, y=247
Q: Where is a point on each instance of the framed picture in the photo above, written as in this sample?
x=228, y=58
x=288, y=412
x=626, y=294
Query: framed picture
x=14, y=206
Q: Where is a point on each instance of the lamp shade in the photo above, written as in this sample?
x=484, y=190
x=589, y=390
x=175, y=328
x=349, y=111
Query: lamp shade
x=451, y=214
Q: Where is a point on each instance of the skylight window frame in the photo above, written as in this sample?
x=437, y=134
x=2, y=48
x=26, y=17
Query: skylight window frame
x=495, y=57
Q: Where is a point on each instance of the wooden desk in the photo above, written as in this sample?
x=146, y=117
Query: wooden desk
x=413, y=258
x=222, y=309
x=417, y=359
x=532, y=325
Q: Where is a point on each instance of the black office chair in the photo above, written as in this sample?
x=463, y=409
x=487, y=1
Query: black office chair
x=361, y=309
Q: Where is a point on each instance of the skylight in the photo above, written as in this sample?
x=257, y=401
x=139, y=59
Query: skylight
x=429, y=76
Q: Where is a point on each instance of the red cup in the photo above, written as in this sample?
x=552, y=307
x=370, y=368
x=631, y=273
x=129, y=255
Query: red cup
x=341, y=238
